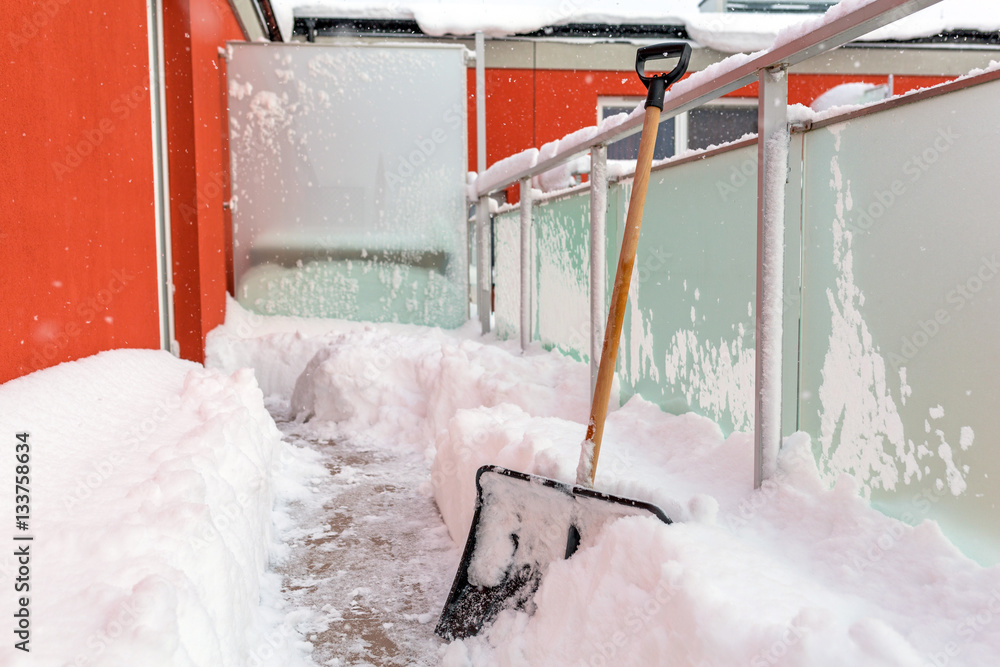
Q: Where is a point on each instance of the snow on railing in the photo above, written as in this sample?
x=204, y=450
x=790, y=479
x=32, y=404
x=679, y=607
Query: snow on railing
x=843, y=23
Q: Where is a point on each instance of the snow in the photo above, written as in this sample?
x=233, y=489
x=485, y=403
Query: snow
x=152, y=487
x=769, y=322
x=849, y=95
x=168, y=510
x=861, y=428
x=728, y=32
x=503, y=171
x=799, y=572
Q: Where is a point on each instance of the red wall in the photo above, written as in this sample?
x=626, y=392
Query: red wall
x=194, y=31
x=77, y=241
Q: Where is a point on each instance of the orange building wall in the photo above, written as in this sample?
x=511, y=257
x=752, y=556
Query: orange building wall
x=202, y=250
x=78, y=261
x=77, y=237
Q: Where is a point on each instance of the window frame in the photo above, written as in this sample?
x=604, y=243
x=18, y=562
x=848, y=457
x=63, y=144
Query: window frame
x=680, y=121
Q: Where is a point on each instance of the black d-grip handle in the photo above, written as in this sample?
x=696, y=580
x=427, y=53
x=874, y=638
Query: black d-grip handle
x=657, y=84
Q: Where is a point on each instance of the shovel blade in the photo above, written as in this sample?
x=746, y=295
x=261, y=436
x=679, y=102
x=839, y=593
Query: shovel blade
x=521, y=524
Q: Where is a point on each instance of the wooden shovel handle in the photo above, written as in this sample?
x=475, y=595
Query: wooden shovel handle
x=619, y=297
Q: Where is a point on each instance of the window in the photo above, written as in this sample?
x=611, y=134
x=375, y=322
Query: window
x=715, y=123
x=721, y=121
x=628, y=148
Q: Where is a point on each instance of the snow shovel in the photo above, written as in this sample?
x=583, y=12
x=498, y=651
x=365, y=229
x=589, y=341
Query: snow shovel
x=524, y=522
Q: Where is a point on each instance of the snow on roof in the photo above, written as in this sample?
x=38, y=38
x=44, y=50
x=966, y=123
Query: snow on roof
x=729, y=32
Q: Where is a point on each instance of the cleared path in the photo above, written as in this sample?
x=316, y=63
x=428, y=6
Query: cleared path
x=370, y=556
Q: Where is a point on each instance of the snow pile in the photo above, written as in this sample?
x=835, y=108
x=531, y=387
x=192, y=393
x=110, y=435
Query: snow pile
x=502, y=172
x=408, y=387
x=738, y=32
x=849, y=95
x=795, y=573
x=792, y=574
x=152, y=484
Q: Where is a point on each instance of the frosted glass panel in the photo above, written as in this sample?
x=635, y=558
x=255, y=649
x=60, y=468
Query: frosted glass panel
x=562, y=274
x=348, y=170
x=688, y=341
x=901, y=303
x=507, y=274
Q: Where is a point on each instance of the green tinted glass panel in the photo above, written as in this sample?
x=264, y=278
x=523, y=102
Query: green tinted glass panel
x=562, y=273
x=901, y=301
x=688, y=339
x=507, y=274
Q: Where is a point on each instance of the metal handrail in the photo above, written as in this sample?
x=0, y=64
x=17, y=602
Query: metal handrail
x=844, y=28
x=768, y=68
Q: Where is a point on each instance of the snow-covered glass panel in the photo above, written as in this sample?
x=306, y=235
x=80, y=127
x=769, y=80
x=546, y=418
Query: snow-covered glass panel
x=901, y=300
x=562, y=274
x=507, y=274
x=688, y=339
x=348, y=167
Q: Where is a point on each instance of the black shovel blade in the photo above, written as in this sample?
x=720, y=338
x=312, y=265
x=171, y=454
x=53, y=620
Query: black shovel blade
x=521, y=524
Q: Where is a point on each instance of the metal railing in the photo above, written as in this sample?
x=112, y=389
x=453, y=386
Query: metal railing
x=837, y=27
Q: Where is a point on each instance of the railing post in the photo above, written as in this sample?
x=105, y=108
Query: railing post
x=484, y=274
x=526, y=204
x=772, y=170
x=598, y=254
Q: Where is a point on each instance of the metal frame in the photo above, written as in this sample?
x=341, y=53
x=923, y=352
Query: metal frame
x=772, y=169
x=269, y=20
x=161, y=182
x=525, y=264
x=598, y=252
x=227, y=185
x=483, y=269
x=769, y=69
x=838, y=32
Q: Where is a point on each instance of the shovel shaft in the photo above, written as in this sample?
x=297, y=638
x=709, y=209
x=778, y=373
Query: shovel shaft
x=619, y=297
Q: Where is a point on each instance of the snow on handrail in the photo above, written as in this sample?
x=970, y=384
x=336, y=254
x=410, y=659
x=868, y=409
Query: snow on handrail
x=841, y=24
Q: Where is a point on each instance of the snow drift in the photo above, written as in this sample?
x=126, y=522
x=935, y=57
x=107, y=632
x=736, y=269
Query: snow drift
x=151, y=512
x=794, y=573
